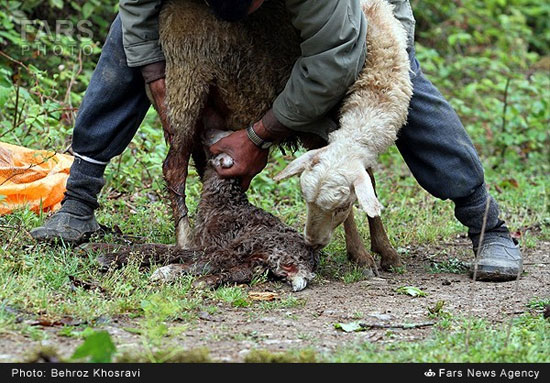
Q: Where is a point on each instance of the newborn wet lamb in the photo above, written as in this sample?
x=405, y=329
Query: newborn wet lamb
x=232, y=241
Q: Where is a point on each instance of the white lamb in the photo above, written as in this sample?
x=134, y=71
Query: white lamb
x=335, y=176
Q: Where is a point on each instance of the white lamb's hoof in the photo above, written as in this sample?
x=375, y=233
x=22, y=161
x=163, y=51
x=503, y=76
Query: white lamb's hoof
x=166, y=274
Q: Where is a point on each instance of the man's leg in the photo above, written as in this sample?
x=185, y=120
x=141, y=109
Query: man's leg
x=113, y=107
x=444, y=161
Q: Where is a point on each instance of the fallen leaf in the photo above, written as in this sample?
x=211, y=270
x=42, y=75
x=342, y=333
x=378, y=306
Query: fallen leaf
x=513, y=182
x=45, y=322
x=98, y=348
x=510, y=182
x=412, y=291
x=349, y=327
x=262, y=296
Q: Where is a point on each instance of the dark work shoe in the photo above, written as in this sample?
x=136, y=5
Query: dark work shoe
x=499, y=259
x=68, y=227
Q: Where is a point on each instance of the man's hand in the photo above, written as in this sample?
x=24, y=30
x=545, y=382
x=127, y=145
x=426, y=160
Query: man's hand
x=249, y=159
x=158, y=92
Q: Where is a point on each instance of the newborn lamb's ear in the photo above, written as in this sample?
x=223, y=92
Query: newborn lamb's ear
x=364, y=190
x=299, y=164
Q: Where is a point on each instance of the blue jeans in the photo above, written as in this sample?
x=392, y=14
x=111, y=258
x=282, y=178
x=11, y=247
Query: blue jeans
x=114, y=105
x=434, y=143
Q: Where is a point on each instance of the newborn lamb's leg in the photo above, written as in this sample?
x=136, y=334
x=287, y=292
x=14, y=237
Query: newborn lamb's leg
x=354, y=245
x=235, y=275
x=174, y=271
x=146, y=254
x=379, y=239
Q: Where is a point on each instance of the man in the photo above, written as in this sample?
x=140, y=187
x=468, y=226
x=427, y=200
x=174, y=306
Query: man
x=434, y=143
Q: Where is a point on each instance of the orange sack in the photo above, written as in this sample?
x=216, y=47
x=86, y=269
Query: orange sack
x=33, y=178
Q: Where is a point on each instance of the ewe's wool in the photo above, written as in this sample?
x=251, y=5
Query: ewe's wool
x=248, y=63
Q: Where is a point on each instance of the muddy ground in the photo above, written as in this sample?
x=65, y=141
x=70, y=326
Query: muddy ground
x=232, y=332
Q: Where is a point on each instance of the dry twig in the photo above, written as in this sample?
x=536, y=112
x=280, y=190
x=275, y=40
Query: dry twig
x=405, y=326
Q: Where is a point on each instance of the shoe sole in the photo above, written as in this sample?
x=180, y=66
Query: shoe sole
x=50, y=237
x=493, y=274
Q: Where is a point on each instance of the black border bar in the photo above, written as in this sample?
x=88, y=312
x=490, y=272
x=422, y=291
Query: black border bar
x=406, y=372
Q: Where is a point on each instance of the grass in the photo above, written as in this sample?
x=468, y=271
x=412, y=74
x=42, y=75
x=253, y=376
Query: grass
x=538, y=304
x=235, y=296
x=287, y=302
x=451, y=265
x=464, y=340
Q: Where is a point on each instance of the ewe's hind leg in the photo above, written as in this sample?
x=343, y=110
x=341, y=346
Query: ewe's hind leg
x=354, y=245
x=379, y=239
x=186, y=95
x=175, y=169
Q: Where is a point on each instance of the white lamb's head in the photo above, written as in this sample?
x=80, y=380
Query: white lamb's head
x=332, y=179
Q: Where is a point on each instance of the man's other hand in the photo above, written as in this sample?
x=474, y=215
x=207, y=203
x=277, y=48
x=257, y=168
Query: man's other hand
x=249, y=159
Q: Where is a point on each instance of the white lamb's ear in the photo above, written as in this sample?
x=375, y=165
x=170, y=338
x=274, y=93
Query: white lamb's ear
x=299, y=164
x=364, y=190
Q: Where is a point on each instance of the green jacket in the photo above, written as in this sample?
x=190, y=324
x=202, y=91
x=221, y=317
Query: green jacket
x=333, y=49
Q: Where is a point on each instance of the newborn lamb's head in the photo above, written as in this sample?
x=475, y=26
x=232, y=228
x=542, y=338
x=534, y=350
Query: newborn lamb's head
x=332, y=179
x=294, y=263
